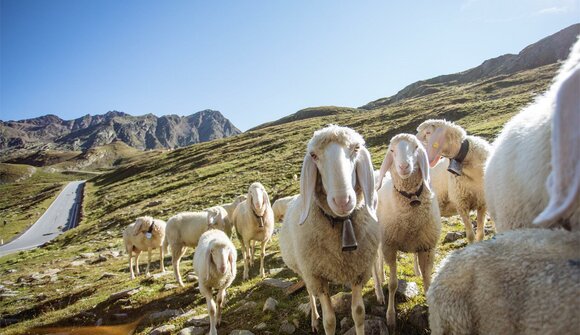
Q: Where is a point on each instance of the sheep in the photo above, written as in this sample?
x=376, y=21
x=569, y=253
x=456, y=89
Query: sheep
x=145, y=233
x=467, y=156
x=226, y=219
x=330, y=232
x=184, y=230
x=408, y=212
x=281, y=205
x=516, y=172
x=215, y=264
x=230, y=207
x=254, y=221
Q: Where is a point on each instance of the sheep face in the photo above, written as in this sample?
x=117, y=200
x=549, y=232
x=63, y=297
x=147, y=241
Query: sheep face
x=221, y=257
x=340, y=166
x=442, y=138
x=258, y=198
x=407, y=154
x=215, y=219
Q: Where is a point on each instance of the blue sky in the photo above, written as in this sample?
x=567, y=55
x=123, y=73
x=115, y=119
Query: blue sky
x=255, y=61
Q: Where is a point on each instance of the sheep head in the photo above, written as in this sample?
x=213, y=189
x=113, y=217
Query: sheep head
x=407, y=154
x=215, y=219
x=339, y=157
x=221, y=256
x=142, y=225
x=258, y=199
x=441, y=138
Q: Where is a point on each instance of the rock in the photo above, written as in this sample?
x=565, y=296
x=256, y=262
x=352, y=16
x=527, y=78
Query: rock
x=120, y=316
x=287, y=328
x=305, y=308
x=78, y=263
x=375, y=326
x=163, y=330
x=11, y=270
x=87, y=255
x=346, y=323
x=192, y=331
x=296, y=323
x=198, y=321
x=278, y=283
x=260, y=326
x=453, y=236
x=115, y=253
x=241, y=332
x=191, y=277
x=99, y=322
x=124, y=294
x=247, y=306
x=101, y=258
x=270, y=305
x=165, y=315
x=159, y=275
x=378, y=310
x=108, y=275
x=341, y=302
x=51, y=272
x=169, y=287
x=407, y=290
x=419, y=317
x=276, y=271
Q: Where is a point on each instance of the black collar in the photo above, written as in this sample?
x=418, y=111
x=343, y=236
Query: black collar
x=462, y=151
x=410, y=195
x=334, y=219
x=151, y=227
x=260, y=218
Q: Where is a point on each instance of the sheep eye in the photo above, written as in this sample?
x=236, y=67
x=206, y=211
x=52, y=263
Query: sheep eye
x=313, y=155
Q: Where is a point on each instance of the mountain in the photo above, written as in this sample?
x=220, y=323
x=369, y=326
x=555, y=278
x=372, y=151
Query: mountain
x=546, y=51
x=140, y=132
x=308, y=113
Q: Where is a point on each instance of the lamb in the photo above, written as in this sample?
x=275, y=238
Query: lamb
x=467, y=156
x=408, y=212
x=145, y=233
x=215, y=264
x=330, y=232
x=254, y=221
x=281, y=205
x=516, y=172
x=184, y=230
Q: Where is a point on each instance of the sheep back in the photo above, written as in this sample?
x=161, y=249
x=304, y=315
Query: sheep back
x=186, y=228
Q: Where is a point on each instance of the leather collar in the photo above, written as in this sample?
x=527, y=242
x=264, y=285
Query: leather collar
x=462, y=151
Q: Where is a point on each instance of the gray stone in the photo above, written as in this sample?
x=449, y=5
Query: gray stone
x=247, y=306
x=278, y=283
x=346, y=323
x=241, y=332
x=163, y=330
x=169, y=287
x=419, y=317
x=115, y=253
x=375, y=326
x=453, y=236
x=305, y=308
x=198, y=321
x=260, y=326
x=51, y=272
x=163, y=315
x=276, y=271
x=296, y=323
x=407, y=290
x=341, y=302
x=192, y=331
x=124, y=293
x=87, y=255
x=160, y=275
x=78, y=263
x=11, y=270
x=287, y=328
x=191, y=277
x=270, y=305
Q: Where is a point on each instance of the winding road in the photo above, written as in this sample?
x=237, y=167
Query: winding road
x=60, y=216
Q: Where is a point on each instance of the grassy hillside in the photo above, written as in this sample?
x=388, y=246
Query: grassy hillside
x=213, y=173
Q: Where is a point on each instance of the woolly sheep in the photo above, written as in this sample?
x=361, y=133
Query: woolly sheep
x=408, y=212
x=336, y=185
x=280, y=206
x=254, y=221
x=145, y=233
x=184, y=230
x=517, y=171
x=231, y=207
x=215, y=264
x=465, y=190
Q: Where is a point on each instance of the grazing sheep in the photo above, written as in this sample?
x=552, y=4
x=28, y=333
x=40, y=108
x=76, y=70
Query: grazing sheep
x=184, y=229
x=467, y=156
x=330, y=232
x=254, y=221
x=516, y=172
x=227, y=220
x=231, y=207
x=281, y=205
x=145, y=233
x=408, y=212
x=215, y=264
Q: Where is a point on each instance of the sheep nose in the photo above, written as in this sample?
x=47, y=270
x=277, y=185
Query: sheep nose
x=404, y=166
x=341, y=201
x=223, y=269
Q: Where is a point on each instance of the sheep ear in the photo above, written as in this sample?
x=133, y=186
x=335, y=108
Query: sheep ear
x=137, y=226
x=424, y=166
x=231, y=260
x=435, y=145
x=211, y=218
x=366, y=179
x=265, y=198
x=307, y=185
x=563, y=183
x=385, y=166
x=208, y=261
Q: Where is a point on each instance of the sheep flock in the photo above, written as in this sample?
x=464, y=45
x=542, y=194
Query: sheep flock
x=349, y=219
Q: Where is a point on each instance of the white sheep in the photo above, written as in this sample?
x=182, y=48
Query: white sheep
x=215, y=264
x=145, y=233
x=254, y=221
x=231, y=207
x=467, y=155
x=184, y=230
x=330, y=232
x=517, y=170
x=280, y=206
x=408, y=212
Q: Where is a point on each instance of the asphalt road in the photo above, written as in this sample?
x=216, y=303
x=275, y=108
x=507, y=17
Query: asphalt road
x=58, y=218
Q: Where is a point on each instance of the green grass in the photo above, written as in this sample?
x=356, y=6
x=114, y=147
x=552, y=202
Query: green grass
x=212, y=173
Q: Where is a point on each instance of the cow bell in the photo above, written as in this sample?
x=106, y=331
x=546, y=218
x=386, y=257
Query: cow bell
x=148, y=235
x=261, y=224
x=455, y=167
x=348, y=237
x=414, y=202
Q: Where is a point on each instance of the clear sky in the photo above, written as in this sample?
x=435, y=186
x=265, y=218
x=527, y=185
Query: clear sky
x=255, y=61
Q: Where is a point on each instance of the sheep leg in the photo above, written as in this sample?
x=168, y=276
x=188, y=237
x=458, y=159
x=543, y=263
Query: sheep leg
x=148, y=262
x=391, y=259
x=252, y=252
x=221, y=297
x=246, y=250
x=130, y=253
x=176, y=254
x=358, y=309
x=262, y=256
x=464, y=214
x=426, y=259
x=314, y=316
x=379, y=279
x=328, y=316
x=137, y=254
x=416, y=268
x=480, y=223
x=211, y=308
